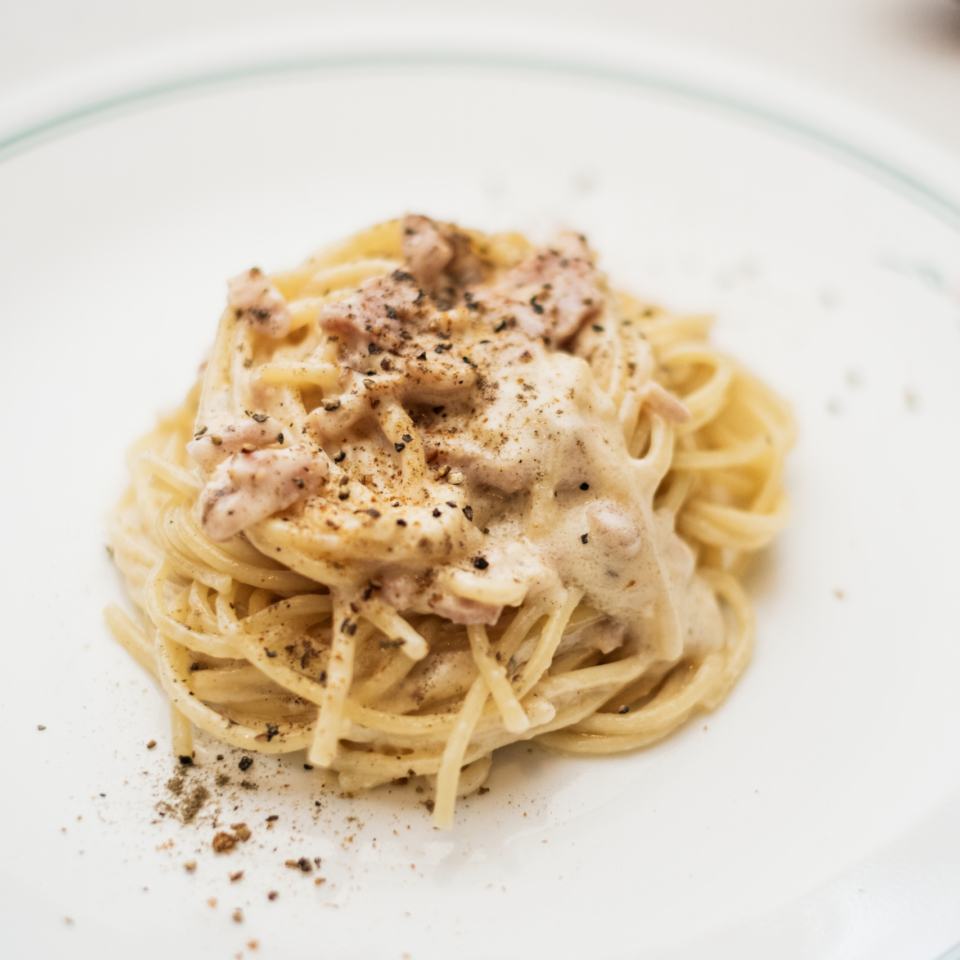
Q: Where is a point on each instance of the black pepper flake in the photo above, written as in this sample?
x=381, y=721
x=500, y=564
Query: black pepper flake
x=399, y=447
x=245, y=763
x=340, y=457
x=584, y=486
x=401, y=276
x=323, y=678
x=597, y=326
x=583, y=539
x=273, y=817
x=298, y=482
x=624, y=709
x=279, y=438
x=439, y=409
x=272, y=654
x=372, y=348
x=450, y=503
x=406, y=438
x=422, y=356
x=186, y=761
x=391, y=313
x=344, y=493
x=502, y=325
x=373, y=512
x=349, y=627
x=401, y=523
x=468, y=512
x=260, y=417
x=199, y=433
x=307, y=766
x=272, y=731
x=480, y=563
x=536, y=306
x=436, y=512
x=468, y=362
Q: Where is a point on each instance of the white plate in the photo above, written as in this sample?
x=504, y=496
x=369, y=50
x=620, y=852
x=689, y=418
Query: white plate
x=815, y=814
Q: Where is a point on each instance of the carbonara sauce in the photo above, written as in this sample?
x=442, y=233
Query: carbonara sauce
x=464, y=457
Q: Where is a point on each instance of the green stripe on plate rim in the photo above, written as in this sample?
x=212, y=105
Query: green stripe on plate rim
x=941, y=205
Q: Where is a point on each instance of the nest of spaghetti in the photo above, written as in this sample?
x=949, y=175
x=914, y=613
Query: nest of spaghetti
x=438, y=491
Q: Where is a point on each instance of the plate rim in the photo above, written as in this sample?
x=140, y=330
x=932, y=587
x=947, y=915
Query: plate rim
x=919, y=171
x=101, y=90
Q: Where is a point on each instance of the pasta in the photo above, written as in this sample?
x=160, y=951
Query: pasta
x=436, y=492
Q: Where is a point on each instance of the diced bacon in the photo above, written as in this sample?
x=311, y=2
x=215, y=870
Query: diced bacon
x=212, y=448
x=609, y=635
x=436, y=253
x=250, y=486
x=404, y=593
x=425, y=249
x=664, y=403
x=461, y=610
x=382, y=311
x=552, y=293
x=256, y=299
x=613, y=527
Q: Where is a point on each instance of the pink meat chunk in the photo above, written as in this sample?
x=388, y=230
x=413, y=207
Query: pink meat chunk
x=250, y=486
x=386, y=312
x=552, y=293
x=257, y=300
x=210, y=449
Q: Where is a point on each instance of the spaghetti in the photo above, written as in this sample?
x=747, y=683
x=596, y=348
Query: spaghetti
x=437, y=492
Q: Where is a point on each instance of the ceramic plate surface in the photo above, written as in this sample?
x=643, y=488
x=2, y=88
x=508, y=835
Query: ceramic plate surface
x=815, y=814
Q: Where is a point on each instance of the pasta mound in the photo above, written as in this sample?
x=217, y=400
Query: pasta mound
x=438, y=491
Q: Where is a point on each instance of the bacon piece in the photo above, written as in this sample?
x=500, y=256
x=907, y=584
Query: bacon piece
x=210, y=448
x=425, y=248
x=256, y=299
x=404, y=593
x=663, y=403
x=613, y=528
x=250, y=486
x=461, y=610
x=437, y=252
x=385, y=311
x=550, y=294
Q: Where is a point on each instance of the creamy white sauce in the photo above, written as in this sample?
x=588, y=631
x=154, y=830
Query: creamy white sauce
x=467, y=462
